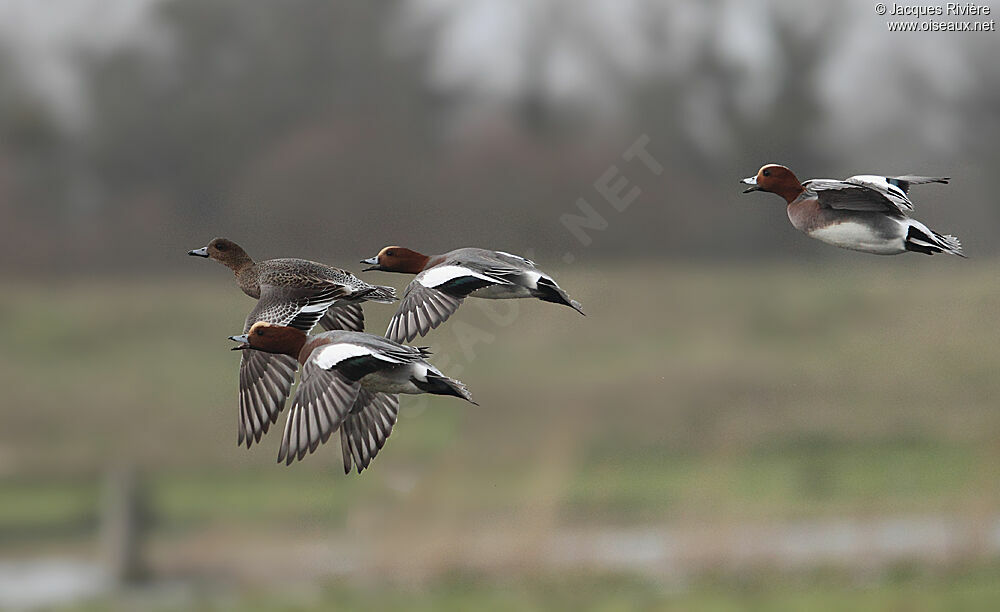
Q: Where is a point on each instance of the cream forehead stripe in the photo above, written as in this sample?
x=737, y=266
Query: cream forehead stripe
x=442, y=274
x=330, y=355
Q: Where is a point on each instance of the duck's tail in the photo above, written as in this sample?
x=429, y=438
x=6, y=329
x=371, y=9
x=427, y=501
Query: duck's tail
x=921, y=239
x=439, y=384
x=379, y=293
x=549, y=291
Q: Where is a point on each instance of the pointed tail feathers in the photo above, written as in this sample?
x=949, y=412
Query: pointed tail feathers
x=577, y=306
x=921, y=239
x=439, y=384
x=549, y=291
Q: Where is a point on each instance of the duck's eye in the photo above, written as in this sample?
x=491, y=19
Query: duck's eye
x=766, y=173
x=221, y=247
x=260, y=332
x=388, y=253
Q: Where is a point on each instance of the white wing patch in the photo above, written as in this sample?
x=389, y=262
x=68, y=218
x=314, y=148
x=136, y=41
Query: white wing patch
x=329, y=356
x=440, y=275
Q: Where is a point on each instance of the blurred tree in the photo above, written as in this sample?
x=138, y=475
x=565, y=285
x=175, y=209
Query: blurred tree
x=181, y=131
x=318, y=128
x=237, y=77
x=30, y=165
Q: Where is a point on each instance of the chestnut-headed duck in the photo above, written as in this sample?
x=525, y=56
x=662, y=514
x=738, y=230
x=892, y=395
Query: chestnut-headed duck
x=443, y=281
x=294, y=292
x=350, y=380
x=863, y=213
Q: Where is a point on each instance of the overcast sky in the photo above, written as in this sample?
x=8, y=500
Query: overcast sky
x=578, y=52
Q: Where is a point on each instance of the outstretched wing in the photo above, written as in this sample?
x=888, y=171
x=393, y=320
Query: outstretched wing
x=904, y=182
x=869, y=192
x=329, y=390
x=266, y=379
x=346, y=316
x=515, y=260
x=859, y=195
x=265, y=383
x=434, y=295
x=365, y=430
x=323, y=399
x=298, y=308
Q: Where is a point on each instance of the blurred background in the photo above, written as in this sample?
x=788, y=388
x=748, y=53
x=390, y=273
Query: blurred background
x=746, y=419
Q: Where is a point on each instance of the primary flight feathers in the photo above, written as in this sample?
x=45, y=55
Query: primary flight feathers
x=293, y=292
x=350, y=380
x=442, y=282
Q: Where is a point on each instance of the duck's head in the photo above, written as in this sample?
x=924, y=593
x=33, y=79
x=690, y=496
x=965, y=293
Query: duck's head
x=774, y=179
x=225, y=251
x=397, y=259
x=271, y=338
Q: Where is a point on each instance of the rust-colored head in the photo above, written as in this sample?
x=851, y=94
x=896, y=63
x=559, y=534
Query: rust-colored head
x=226, y=252
x=271, y=338
x=397, y=259
x=775, y=179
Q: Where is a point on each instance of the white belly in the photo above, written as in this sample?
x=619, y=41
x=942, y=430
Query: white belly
x=860, y=237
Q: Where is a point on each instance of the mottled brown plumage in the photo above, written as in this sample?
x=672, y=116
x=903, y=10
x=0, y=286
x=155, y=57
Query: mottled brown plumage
x=293, y=292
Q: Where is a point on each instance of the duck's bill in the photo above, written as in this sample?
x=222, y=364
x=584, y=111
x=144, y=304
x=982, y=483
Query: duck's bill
x=752, y=181
x=244, y=342
x=202, y=252
x=374, y=264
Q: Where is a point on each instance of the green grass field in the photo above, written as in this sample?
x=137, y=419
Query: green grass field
x=708, y=393
x=962, y=589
